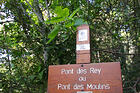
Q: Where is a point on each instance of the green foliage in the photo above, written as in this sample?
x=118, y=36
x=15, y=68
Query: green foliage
x=61, y=12
x=62, y=16
x=53, y=33
x=74, y=12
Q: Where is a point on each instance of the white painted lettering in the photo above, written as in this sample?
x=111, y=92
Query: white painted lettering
x=82, y=71
x=95, y=71
x=67, y=71
x=63, y=87
x=98, y=86
x=78, y=87
x=107, y=86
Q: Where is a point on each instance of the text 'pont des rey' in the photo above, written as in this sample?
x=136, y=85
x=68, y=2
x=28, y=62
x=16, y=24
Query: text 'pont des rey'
x=81, y=71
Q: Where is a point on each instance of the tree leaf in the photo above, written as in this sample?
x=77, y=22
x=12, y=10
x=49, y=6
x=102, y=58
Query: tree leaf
x=55, y=20
x=61, y=12
x=58, y=10
x=41, y=74
x=74, y=12
x=69, y=24
x=79, y=22
x=65, y=12
x=53, y=33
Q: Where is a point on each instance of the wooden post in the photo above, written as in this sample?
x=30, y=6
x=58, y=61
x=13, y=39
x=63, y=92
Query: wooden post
x=83, y=45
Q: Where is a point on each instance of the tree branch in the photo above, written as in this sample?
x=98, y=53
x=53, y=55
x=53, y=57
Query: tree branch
x=7, y=21
x=39, y=29
x=47, y=9
x=37, y=8
x=39, y=17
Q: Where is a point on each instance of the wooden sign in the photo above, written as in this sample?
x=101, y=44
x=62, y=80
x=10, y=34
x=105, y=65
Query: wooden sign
x=85, y=78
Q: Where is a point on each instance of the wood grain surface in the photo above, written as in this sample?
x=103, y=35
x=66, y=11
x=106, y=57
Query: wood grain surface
x=97, y=78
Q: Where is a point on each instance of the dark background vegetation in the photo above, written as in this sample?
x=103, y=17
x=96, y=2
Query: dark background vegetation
x=37, y=33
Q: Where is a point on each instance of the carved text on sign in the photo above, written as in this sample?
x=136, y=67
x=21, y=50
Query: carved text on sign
x=81, y=71
x=88, y=77
x=91, y=70
x=93, y=86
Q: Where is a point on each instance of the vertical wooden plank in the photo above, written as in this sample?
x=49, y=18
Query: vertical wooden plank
x=83, y=44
